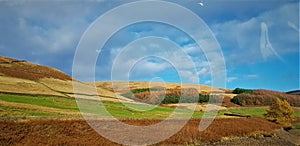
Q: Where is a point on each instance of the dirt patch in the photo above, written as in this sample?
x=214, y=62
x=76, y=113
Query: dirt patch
x=291, y=136
x=78, y=132
x=228, y=103
x=255, y=141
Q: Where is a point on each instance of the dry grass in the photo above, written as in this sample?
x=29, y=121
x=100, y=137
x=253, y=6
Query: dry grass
x=137, y=85
x=78, y=132
x=30, y=71
x=266, y=97
x=170, y=92
x=23, y=86
x=21, y=77
x=57, y=84
x=199, y=106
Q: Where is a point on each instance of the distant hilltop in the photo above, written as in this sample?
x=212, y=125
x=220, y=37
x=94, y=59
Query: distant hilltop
x=294, y=92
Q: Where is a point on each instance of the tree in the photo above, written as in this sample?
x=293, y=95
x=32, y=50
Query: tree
x=237, y=100
x=281, y=113
x=241, y=90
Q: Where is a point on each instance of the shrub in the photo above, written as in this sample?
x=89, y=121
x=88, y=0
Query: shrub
x=170, y=99
x=237, y=100
x=264, y=97
x=241, y=90
x=203, y=98
x=281, y=113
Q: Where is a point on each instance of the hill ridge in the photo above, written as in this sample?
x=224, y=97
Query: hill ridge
x=27, y=70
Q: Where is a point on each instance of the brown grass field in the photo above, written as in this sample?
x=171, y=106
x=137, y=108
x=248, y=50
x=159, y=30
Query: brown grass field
x=78, y=132
x=266, y=97
x=30, y=71
x=138, y=85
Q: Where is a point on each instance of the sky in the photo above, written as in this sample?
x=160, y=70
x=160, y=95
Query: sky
x=258, y=41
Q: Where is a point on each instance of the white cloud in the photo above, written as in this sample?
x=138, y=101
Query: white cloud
x=230, y=79
x=192, y=49
x=192, y=77
x=54, y=28
x=203, y=71
x=207, y=82
x=146, y=68
x=240, y=40
x=204, y=68
x=115, y=51
x=265, y=46
x=182, y=39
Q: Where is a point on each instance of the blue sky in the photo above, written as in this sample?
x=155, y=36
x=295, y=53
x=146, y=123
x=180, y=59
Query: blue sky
x=259, y=41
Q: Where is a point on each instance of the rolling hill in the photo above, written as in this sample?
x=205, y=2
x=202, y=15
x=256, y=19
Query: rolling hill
x=24, y=78
x=21, y=77
x=35, y=93
x=294, y=92
x=20, y=81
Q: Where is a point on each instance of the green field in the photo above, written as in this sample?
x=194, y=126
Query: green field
x=54, y=102
x=254, y=111
x=19, y=112
x=118, y=110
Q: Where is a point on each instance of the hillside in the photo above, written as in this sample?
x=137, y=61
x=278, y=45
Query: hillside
x=263, y=97
x=43, y=95
x=20, y=77
x=26, y=70
x=294, y=92
x=121, y=86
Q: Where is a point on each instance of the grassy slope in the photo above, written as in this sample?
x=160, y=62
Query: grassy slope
x=255, y=111
x=7, y=112
x=116, y=109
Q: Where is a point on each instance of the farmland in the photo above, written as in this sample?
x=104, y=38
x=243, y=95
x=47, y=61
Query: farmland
x=35, y=105
x=47, y=118
x=64, y=115
x=38, y=107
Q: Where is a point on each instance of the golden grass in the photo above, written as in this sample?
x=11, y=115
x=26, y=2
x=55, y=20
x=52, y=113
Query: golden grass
x=30, y=71
x=23, y=86
x=135, y=85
